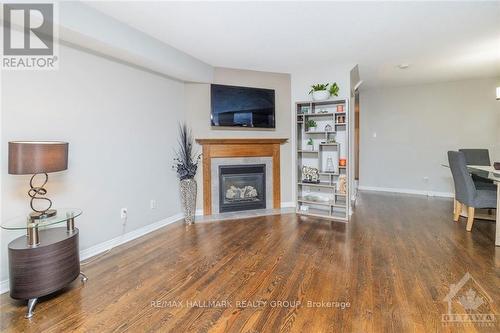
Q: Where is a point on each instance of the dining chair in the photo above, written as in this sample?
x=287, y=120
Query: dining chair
x=465, y=190
x=479, y=157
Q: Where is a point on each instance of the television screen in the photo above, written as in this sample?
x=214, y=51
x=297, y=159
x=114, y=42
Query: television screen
x=242, y=106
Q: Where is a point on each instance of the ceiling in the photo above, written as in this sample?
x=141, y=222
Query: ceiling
x=441, y=41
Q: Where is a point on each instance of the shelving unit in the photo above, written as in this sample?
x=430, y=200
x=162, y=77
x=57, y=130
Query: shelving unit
x=330, y=141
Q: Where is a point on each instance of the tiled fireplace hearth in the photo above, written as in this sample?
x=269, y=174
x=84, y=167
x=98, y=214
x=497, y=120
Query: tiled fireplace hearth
x=240, y=174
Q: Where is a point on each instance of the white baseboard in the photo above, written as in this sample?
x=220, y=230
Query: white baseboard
x=407, y=191
x=4, y=286
x=99, y=248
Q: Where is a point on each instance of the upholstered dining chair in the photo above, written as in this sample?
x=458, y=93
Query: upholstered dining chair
x=465, y=190
x=479, y=157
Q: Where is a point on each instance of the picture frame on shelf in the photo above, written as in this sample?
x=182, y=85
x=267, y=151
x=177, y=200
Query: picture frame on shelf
x=304, y=109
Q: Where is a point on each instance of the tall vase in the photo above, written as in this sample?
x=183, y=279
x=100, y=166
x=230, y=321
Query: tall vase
x=188, y=199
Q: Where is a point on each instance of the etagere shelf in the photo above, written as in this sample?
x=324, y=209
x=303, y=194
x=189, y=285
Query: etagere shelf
x=330, y=145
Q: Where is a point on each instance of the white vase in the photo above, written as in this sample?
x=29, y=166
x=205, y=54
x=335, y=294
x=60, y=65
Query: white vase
x=321, y=95
x=188, y=199
x=312, y=129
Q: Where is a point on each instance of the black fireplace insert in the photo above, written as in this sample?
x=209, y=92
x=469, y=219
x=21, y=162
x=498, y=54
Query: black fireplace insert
x=242, y=187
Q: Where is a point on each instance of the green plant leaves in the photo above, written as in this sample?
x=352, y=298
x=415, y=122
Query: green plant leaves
x=319, y=87
x=311, y=123
x=334, y=89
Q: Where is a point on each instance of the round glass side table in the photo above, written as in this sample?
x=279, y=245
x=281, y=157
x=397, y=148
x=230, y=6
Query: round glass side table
x=46, y=259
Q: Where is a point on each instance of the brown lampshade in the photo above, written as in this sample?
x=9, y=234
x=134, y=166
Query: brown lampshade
x=30, y=157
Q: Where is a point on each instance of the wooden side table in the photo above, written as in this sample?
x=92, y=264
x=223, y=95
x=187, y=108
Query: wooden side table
x=46, y=259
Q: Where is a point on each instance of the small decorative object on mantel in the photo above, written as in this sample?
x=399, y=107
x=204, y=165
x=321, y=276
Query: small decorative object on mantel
x=328, y=128
x=304, y=109
x=310, y=175
x=342, y=184
x=311, y=125
x=186, y=164
x=496, y=165
x=340, y=108
x=342, y=162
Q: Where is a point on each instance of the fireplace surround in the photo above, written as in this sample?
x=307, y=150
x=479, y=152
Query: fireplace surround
x=246, y=149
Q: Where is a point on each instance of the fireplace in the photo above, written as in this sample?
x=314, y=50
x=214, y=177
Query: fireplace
x=240, y=152
x=242, y=187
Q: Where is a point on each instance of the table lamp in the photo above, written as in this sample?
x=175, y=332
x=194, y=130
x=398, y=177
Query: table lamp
x=38, y=158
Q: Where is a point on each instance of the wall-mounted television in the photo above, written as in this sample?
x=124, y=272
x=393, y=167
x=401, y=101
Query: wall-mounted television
x=242, y=106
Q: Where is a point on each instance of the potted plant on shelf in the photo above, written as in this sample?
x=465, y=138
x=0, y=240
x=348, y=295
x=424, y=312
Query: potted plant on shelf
x=311, y=125
x=334, y=89
x=186, y=165
x=320, y=91
x=310, y=144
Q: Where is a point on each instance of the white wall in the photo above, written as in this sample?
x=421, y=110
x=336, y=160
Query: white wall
x=417, y=125
x=326, y=73
x=198, y=117
x=121, y=124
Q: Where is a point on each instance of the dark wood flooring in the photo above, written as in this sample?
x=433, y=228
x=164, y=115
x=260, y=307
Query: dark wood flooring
x=393, y=265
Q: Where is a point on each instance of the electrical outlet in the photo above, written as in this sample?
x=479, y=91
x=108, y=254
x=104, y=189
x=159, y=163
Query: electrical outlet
x=123, y=213
x=153, y=204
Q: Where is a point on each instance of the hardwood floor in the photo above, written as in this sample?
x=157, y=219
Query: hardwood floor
x=393, y=265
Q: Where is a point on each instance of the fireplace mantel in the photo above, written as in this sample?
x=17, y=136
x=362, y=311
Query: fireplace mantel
x=258, y=147
x=240, y=141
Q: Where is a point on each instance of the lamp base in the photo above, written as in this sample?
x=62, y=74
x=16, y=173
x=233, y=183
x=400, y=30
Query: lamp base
x=43, y=215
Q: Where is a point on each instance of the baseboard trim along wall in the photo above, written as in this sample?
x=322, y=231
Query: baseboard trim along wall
x=4, y=286
x=407, y=191
x=104, y=246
